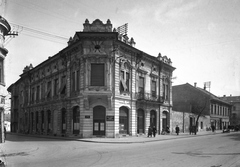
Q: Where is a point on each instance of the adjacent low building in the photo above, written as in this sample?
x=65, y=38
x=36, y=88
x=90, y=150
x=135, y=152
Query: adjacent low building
x=99, y=85
x=191, y=102
x=235, y=114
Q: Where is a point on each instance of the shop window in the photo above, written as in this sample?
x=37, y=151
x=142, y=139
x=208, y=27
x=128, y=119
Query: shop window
x=97, y=74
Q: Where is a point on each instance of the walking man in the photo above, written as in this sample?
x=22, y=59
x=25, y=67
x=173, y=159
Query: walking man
x=177, y=129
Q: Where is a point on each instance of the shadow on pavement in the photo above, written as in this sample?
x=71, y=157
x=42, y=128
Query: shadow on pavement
x=233, y=136
x=23, y=138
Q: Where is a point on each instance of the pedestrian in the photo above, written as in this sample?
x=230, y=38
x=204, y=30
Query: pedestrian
x=149, y=131
x=167, y=130
x=5, y=133
x=154, y=130
x=177, y=129
x=213, y=128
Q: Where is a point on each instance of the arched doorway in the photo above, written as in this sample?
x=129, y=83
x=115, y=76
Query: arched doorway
x=140, y=121
x=32, y=122
x=99, y=113
x=48, y=121
x=64, y=120
x=164, y=120
x=123, y=120
x=55, y=122
x=76, y=120
x=42, y=121
x=153, y=118
x=37, y=125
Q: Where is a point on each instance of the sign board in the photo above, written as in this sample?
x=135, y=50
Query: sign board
x=87, y=116
x=110, y=118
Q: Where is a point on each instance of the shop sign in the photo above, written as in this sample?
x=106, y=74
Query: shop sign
x=87, y=116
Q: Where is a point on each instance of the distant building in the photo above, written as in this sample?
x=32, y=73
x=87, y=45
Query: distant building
x=4, y=30
x=235, y=102
x=193, y=101
x=99, y=85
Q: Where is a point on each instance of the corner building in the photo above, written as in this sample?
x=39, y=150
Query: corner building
x=99, y=85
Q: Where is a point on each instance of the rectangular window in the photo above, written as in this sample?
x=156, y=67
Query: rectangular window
x=1, y=71
x=73, y=81
x=63, y=85
x=38, y=93
x=127, y=81
x=55, y=87
x=153, y=87
x=49, y=89
x=97, y=74
x=78, y=80
x=141, y=85
x=33, y=94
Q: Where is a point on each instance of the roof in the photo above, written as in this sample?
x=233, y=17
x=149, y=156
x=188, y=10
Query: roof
x=231, y=98
x=212, y=96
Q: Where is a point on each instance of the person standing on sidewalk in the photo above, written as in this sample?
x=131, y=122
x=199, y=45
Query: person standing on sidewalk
x=149, y=131
x=154, y=130
x=177, y=129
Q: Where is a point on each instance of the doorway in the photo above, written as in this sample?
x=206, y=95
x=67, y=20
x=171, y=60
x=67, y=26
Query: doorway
x=99, y=114
x=140, y=121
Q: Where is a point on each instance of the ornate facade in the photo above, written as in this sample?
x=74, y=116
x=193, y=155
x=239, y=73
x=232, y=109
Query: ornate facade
x=4, y=30
x=99, y=85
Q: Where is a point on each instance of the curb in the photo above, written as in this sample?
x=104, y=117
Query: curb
x=114, y=142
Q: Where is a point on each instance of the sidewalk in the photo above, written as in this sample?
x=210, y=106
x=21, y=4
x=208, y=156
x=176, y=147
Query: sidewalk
x=144, y=138
x=127, y=139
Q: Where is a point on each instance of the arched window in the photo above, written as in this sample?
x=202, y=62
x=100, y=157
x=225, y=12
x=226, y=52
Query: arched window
x=123, y=120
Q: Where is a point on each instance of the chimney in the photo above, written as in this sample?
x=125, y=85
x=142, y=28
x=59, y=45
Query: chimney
x=195, y=84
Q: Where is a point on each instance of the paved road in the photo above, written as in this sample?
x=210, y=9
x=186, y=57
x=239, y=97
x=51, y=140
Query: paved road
x=203, y=151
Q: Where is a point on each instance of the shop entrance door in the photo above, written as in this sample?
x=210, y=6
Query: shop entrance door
x=99, y=114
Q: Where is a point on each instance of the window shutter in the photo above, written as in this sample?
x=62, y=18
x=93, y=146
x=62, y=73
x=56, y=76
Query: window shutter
x=97, y=74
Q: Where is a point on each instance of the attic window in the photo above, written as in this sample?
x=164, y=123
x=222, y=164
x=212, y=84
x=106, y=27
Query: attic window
x=97, y=47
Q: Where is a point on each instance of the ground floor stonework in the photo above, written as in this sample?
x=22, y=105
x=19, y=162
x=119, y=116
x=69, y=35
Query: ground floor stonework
x=120, y=117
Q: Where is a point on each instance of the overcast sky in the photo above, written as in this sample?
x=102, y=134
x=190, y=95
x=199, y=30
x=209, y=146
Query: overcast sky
x=202, y=37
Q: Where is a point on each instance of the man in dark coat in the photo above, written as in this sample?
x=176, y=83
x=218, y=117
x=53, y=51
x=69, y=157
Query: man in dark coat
x=177, y=129
x=149, y=131
x=154, y=130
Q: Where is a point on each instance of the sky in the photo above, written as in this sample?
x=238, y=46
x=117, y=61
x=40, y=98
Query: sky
x=202, y=37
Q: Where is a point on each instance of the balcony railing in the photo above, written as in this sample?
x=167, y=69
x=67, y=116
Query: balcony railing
x=149, y=97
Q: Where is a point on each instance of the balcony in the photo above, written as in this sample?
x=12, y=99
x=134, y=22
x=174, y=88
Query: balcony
x=148, y=97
